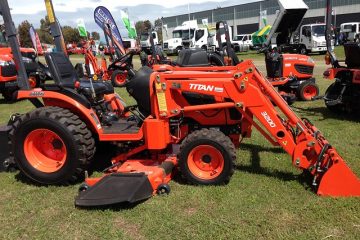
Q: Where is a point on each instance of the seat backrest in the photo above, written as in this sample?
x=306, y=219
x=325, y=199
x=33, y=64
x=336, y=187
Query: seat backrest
x=352, y=54
x=192, y=58
x=61, y=69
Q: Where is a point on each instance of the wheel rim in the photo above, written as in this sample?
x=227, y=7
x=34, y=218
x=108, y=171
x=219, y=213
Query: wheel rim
x=205, y=162
x=120, y=78
x=32, y=82
x=310, y=91
x=45, y=150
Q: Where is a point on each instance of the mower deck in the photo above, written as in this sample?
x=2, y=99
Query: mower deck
x=130, y=182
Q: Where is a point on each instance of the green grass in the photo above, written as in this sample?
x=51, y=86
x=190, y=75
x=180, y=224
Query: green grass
x=264, y=199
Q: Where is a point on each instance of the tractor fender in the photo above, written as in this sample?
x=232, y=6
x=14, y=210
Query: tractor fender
x=51, y=98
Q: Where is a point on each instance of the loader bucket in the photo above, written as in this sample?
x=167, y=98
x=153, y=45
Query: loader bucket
x=116, y=189
x=339, y=181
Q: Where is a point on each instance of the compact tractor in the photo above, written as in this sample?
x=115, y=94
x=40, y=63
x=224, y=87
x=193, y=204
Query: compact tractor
x=292, y=74
x=343, y=95
x=187, y=120
x=8, y=83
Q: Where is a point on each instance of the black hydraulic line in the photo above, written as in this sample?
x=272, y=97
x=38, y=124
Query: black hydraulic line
x=328, y=34
x=229, y=49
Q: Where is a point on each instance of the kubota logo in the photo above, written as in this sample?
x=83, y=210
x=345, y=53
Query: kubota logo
x=268, y=119
x=209, y=88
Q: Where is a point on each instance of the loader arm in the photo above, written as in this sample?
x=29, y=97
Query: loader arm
x=247, y=90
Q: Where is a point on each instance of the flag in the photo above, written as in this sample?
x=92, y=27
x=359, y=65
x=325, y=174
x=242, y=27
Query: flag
x=103, y=16
x=205, y=22
x=36, y=41
x=263, y=19
x=81, y=27
x=133, y=28
x=127, y=23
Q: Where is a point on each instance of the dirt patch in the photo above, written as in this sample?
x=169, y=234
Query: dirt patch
x=131, y=230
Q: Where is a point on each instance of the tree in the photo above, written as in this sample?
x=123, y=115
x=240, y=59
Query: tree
x=158, y=24
x=71, y=35
x=23, y=30
x=95, y=35
x=44, y=31
x=143, y=26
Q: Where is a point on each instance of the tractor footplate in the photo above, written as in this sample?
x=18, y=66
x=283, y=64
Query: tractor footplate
x=115, y=189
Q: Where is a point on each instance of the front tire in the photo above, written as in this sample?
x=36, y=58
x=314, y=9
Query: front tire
x=52, y=145
x=119, y=78
x=207, y=157
x=307, y=90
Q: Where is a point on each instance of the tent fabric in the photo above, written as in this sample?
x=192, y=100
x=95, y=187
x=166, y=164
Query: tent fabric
x=259, y=37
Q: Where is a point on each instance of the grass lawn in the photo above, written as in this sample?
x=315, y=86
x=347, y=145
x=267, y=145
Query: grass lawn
x=264, y=200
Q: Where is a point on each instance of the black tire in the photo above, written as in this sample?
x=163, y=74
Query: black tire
x=302, y=50
x=76, y=138
x=216, y=140
x=115, y=82
x=306, y=89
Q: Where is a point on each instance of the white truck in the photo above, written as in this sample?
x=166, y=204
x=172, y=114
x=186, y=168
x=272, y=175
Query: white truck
x=311, y=37
x=351, y=31
x=243, y=39
x=184, y=32
x=213, y=44
x=145, y=40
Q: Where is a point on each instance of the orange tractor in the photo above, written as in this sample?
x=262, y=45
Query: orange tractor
x=189, y=119
x=343, y=95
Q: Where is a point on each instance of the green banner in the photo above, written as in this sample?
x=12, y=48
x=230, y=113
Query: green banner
x=81, y=28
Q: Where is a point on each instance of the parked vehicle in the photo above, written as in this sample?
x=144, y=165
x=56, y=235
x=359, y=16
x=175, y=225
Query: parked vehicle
x=185, y=31
x=244, y=39
x=350, y=31
x=145, y=40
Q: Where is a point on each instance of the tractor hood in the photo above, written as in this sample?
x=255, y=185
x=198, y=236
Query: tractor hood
x=288, y=20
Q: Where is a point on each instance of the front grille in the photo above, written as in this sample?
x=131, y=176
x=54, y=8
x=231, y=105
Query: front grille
x=303, y=69
x=166, y=45
x=8, y=71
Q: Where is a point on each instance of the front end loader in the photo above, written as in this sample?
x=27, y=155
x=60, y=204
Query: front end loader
x=187, y=120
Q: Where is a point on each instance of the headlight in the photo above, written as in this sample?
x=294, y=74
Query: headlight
x=26, y=60
x=6, y=63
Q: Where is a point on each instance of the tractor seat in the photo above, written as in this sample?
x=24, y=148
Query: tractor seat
x=198, y=58
x=100, y=87
x=352, y=53
x=65, y=76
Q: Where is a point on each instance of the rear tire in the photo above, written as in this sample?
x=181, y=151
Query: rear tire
x=119, y=78
x=207, y=157
x=303, y=50
x=307, y=90
x=52, y=145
